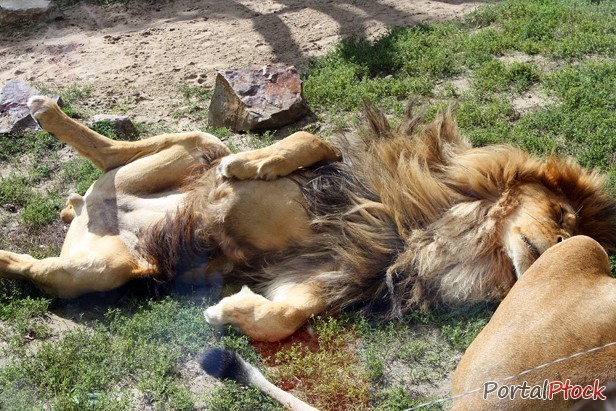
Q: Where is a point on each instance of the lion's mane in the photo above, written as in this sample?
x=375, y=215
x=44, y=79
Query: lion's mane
x=413, y=216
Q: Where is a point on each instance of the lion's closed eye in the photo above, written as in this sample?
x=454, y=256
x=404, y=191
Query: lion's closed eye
x=562, y=215
x=567, y=219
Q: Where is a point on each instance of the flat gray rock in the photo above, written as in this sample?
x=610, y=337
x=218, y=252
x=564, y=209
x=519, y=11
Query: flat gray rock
x=14, y=113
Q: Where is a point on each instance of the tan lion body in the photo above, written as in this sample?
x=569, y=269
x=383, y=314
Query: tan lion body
x=563, y=305
x=408, y=218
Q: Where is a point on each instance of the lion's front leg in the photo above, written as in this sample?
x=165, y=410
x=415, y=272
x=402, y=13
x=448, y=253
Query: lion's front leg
x=299, y=150
x=267, y=320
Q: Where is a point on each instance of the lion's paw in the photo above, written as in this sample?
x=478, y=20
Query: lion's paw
x=251, y=165
x=225, y=166
x=39, y=105
x=213, y=315
x=237, y=166
x=217, y=314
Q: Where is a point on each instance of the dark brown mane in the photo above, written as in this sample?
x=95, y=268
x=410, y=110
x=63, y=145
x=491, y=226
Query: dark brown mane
x=397, y=187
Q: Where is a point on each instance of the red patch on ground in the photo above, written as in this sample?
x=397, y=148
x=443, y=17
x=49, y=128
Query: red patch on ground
x=312, y=384
x=305, y=338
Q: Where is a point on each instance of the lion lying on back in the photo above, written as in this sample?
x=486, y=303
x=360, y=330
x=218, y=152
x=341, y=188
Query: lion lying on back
x=385, y=222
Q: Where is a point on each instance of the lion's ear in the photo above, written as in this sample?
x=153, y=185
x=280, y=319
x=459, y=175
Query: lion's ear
x=587, y=193
x=410, y=121
x=377, y=125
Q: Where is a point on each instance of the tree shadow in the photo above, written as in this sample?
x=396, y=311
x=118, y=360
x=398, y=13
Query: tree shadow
x=275, y=22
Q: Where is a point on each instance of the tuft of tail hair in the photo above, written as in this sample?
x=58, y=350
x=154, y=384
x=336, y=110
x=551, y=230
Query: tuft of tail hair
x=225, y=364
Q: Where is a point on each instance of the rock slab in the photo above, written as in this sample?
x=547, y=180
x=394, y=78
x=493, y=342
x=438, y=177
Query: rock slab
x=122, y=126
x=14, y=11
x=14, y=113
x=250, y=99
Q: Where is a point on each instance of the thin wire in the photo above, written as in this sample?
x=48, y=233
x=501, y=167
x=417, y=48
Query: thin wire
x=464, y=394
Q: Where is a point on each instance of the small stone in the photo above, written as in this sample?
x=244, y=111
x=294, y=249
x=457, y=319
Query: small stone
x=249, y=99
x=11, y=208
x=122, y=126
x=15, y=11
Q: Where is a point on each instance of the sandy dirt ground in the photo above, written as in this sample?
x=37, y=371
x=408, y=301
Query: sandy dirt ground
x=136, y=56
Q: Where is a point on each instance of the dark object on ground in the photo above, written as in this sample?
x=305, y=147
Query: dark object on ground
x=14, y=113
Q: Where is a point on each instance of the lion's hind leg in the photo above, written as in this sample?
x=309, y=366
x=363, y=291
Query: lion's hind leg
x=268, y=320
x=299, y=150
x=167, y=155
x=108, y=267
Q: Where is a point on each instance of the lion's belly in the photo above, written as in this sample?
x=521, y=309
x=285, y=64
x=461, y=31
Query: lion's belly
x=125, y=216
x=266, y=215
x=140, y=213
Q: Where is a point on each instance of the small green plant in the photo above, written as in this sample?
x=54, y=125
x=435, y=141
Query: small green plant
x=494, y=76
x=220, y=132
x=15, y=190
x=232, y=397
x=260, y=139
x=41, y=210
x=195, y=99
x=106, y=128
x=26, y=316
x=397, y=398
x=81, y=173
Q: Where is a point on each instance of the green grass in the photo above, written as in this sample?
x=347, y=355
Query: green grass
x=235, y=397
x=41, y=210
x=99, y=364
x=80, y=173
x=195, y=103
x=14, y=145
x=135, y=350
x=330, y=377
x=494, y=76
x=573, y=36
x=36, y=209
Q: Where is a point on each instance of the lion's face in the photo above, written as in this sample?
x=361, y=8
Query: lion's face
x=541, y=220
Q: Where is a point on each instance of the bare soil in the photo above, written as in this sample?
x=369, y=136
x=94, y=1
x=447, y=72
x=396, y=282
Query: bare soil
x=135, y=56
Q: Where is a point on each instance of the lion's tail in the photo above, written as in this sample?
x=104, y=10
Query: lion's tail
x=225, y=364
